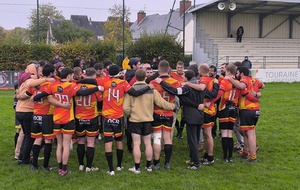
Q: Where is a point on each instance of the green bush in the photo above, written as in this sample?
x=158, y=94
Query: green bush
x=148, y=47
x=16, y=57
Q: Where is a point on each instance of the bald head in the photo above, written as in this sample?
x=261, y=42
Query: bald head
x=204, y=69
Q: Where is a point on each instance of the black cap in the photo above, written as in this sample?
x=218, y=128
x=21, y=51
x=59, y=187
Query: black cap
x=113, y=70
x=246, y=57
x=107, y=63
x=134, y=61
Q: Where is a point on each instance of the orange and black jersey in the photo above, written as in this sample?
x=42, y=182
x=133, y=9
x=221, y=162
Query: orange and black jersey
x=209, y=82
x=244, y=102
x=230, y=94
x=42, y=106
x=178, y=77
x=257, y=84
x=63, y=92
x=86, y=106
x=113, y=97
x=167, y=96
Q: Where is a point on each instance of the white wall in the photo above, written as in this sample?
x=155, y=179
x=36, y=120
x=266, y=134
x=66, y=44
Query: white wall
x=214, y=23
x=296, y=30
x=250, y=22
x=189, y=34
x=272, y=21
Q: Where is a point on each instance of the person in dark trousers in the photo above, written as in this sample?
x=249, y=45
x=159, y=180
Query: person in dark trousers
x=239, y=34
x=247, y=63
x=192, y=101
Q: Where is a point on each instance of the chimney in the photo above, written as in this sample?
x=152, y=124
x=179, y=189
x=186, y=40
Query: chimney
x=187, y=6
x=140, y=16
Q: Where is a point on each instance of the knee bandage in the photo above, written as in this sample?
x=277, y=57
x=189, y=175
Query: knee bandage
x=157, y=138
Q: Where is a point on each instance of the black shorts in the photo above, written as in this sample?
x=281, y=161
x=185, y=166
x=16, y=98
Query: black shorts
x=209, y=120
x=162, y=123
x=142, y=128
x=42, y=126
x=249, y=119
x=67, y=128
x=87, y=127
x=113, y=127
x=227, y=117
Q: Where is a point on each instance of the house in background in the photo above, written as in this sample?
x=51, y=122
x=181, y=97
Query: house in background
x=171, y=23
x=97, y=27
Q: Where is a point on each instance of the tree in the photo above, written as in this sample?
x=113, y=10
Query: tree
x=68, y=32
x=45, y=11
x=147, y=47
x=17, y=36
x=113, y=28
x=2, y=34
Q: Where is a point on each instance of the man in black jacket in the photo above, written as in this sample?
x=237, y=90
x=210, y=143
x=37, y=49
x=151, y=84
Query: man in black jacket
x=239, y=34
x=192, y=101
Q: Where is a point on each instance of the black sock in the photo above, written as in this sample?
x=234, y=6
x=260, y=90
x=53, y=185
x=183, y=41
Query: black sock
x=225, y=146
x=16, y=138
x=90, y=151
x=35, y=152
x=168, y=152
x=119, y=157
x=64, y=167
x=47, y=154
x=60, y=166
x=205, y=156
x=230, y=147
x=155, y=162
x=148, y=163
x=80, y=153
x=109, y=158
x=137, y=166
x=210, y=158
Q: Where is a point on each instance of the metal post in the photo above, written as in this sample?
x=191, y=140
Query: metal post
x=38, y=20
x=123, y=30
x=298, y=61
x=264, y=62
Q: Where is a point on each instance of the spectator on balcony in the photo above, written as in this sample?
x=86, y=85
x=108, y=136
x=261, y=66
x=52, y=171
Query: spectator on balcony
x=239, y=34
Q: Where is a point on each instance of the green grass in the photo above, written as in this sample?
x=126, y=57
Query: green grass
x=277, y=168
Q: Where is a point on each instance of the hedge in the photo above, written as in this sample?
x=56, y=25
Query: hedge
x=15, y=58
x=147, y=47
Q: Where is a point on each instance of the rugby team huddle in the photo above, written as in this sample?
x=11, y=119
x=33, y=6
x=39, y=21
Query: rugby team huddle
x=54, y=102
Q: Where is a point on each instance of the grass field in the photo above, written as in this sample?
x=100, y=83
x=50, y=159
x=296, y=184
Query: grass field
x=278, y=163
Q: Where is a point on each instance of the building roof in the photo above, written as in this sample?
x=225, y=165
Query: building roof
x=156, y=23
x=263, y=7
x=97, y=27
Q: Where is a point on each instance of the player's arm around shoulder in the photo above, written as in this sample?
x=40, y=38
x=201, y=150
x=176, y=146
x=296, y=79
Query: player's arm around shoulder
x=199, y=87
x=159, y=101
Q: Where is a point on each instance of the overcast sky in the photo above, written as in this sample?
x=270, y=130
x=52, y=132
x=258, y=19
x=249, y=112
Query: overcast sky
x=15, y=13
